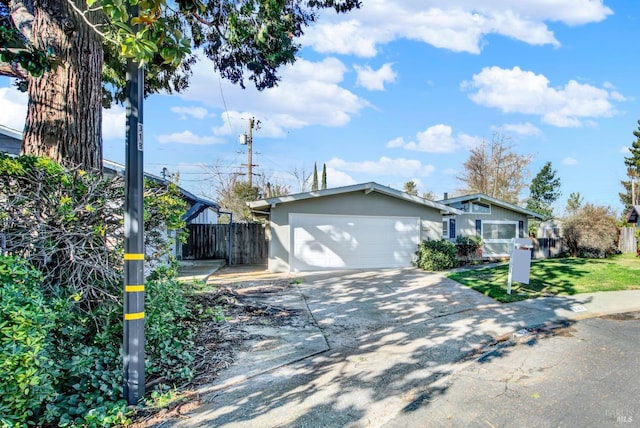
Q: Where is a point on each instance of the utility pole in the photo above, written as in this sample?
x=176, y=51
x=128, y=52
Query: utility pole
x=250, y=152
x=247, y=139
x=133, y=334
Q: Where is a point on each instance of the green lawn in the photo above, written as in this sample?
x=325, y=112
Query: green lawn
x=556, y=276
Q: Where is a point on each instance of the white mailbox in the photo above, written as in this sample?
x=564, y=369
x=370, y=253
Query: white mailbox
x=520, y=262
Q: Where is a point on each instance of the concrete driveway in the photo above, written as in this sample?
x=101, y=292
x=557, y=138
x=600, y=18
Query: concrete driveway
x=390, y=335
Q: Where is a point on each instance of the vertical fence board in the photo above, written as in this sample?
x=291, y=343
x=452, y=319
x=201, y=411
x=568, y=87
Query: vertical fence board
x=628, y=242
x=211, y=241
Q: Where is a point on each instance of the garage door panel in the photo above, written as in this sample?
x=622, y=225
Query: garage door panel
x=330, y=241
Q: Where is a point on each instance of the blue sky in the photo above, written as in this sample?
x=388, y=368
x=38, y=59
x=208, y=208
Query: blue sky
x=395, y=93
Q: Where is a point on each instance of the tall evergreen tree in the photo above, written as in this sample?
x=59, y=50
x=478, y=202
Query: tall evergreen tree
x=314, y=185
x=324, y=176
x=632, y=194
x=545, y=190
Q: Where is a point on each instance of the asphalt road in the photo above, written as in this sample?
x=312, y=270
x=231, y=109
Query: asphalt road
x=585, y=375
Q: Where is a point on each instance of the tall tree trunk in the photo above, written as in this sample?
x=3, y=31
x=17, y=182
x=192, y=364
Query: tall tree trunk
x=64, y=116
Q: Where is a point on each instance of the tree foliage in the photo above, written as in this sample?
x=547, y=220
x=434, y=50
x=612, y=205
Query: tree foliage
x=324, y=176
x=545, y=190
x=574, y=203
x=591, y=232
x=61, y=289
x=245, y=40
x=68, y=223
x=314, y=183
x=631, y=195
x=496, y=170
x=410, y=188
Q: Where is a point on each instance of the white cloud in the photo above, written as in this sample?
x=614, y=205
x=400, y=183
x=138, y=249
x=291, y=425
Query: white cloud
x=187, y=137
x=114, y=123
x=456, y=25
x=569, y=161
x=383, y=166
x=374, y=80
x=309, y=94
x=336, y=178
x=186, y=112
x=519, y=91
x=13, y=105
x=436, y=139
x=519, y=128
x=625, y=150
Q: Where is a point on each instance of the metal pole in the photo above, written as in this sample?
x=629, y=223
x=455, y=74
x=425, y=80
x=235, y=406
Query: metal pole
x=250, y=152
x=134, y=340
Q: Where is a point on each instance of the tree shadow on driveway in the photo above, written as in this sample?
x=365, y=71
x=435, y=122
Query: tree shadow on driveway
x=392, y=335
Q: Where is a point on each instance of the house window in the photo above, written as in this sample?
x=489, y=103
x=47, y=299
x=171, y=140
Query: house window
x=452, y=228
x=476, y=208
x=445, y=229
x=478, y=227
x=521, y=228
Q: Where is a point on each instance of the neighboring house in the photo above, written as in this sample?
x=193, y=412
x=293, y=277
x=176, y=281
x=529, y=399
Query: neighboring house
x=550, y=229
x=496, y=222
x=200, y=210
x=362, y=226
x=10, y=140
x=633, y=216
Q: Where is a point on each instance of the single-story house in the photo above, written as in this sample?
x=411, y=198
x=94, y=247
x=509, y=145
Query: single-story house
x=496, y=222
x=633, y=216
x=362, y=226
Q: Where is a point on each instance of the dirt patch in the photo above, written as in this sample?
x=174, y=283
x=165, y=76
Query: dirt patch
x=627, y=316
x=230, y=310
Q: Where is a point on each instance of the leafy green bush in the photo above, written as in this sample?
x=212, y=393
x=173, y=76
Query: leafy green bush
x=27, y=373
x=436, y=255
x=468, y=247
x=61, y=316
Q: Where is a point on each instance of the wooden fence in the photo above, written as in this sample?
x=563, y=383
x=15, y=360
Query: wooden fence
x=211, y=241
x=628, y=242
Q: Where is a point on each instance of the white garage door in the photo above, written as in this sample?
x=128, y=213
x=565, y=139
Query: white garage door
x=352, y=242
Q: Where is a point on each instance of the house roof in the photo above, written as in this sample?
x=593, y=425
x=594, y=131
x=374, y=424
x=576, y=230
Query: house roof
x=633, y=214
x=10, y=132
x=486, y=198
x=198, y=204
x=268, y=203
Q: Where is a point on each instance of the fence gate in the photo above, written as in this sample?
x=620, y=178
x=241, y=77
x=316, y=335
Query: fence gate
x=211, y=241
x=628, y=242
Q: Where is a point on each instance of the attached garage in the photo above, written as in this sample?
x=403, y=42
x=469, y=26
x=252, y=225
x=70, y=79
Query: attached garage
x=352, y=242
x=364, y=226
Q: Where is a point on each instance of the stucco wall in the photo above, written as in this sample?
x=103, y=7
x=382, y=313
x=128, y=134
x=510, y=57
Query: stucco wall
x=355, y=203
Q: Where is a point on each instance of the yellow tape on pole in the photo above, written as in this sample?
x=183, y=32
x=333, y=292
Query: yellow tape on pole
x=134, y=316
x=133, y=256
x=133, y=288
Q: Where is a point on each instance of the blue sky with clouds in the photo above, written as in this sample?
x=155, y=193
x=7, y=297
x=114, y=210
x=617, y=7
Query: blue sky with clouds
x=400, y=91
